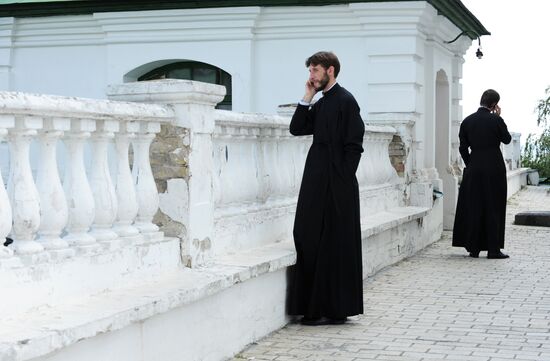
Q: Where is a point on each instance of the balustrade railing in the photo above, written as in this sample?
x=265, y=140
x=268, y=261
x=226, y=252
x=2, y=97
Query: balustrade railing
x=256, y=160
x=45, y=213
x=241, y=176
x=512, y=152
x=258, y=163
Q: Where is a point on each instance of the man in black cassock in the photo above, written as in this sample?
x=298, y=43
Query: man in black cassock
x=481, y=207
x=327, y=283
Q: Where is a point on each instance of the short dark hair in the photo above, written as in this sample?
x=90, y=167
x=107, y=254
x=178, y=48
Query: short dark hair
x=489, y=98
x=326, y=59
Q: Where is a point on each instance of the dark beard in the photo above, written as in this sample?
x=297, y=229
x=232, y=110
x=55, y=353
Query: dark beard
x=323, y=83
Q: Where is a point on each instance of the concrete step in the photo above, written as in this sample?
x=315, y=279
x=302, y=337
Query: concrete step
x=50, y=278
x=44, y=330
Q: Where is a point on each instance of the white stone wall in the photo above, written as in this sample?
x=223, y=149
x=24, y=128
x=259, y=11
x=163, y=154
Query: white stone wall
x=381, y=46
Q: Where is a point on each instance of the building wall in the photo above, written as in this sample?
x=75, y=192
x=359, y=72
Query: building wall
x=381, y=47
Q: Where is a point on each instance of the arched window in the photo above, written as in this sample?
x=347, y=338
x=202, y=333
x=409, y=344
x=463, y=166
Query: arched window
x=194, y=70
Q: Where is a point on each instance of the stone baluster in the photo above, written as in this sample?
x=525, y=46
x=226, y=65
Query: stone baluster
x=22, y=191
x=286, y=158
x=5, y=207
x=273, y=161
x=53, y=204
x=105, y=198
x=79, y=195
x=125, y=190
x=146, y=188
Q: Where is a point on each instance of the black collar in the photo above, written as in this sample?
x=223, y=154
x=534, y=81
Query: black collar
x=332, y=90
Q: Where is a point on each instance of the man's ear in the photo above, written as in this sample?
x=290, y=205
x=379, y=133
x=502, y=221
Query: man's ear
x=330, y=70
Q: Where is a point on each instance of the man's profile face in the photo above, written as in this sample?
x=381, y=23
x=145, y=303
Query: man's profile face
x=318, y=76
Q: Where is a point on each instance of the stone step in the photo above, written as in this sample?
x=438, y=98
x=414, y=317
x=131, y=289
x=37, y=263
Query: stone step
x=43, y=330
x=383, y=221
x=49, y=278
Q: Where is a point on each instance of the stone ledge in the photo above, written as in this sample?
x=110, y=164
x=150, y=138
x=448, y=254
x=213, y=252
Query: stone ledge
x=382, y=221
x=28, y=285
x=516, y=172
x=45, y=330
x=533, y=218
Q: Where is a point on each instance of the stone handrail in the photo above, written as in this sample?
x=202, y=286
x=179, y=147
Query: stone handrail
x=512, y=152
x=84, y=211
x=258, y=160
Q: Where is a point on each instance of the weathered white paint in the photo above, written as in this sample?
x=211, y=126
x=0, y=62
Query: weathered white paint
x=53, y=204
x=24, y=198
x=79, y=195
x=103, y=190
x=517, y=179
x=193, y=105
x=146, y=189
x=125, y=190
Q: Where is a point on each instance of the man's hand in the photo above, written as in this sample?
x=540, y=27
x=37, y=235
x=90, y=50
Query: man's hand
x=310, y=92
x=497, y=109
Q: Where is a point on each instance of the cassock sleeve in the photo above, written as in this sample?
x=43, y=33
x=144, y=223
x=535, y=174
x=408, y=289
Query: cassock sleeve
x=302, y=120
x=464, y=145
x=354, y=130
x=505, y=136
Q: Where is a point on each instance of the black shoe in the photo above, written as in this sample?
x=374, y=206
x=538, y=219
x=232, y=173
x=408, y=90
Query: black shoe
x=338, y=321
x=497, y=255
x=474, y=254
x=322, y=321
x=314, y=321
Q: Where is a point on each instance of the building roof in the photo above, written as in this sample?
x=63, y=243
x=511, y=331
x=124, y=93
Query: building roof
x=453, y=10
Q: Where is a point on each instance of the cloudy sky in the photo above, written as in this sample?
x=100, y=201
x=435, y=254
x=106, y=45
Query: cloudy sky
x=516, y=59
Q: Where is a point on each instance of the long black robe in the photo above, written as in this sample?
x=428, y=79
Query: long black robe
x=327, y=279
x=481, y=207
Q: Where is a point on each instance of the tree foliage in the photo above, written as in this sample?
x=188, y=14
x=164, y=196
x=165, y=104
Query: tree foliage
x=536, y=154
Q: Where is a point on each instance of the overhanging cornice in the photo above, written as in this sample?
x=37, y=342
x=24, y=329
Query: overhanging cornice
x=453, y=10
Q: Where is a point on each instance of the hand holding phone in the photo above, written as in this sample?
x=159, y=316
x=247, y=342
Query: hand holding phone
x=310, y=91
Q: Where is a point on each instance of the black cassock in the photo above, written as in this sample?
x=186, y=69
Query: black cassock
x=481, y=207
x=327, y=279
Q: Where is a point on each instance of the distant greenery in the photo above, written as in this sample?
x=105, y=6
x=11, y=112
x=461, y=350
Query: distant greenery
x=536, y=154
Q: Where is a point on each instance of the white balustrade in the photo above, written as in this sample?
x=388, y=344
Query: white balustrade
x=125, y=190
x=59, y=217
x=79, y=195
x=254, y=160
x=146, y=189
x=511, y=152
x=375, y=167
x=23, y=195
x=105, y=198
x=53, y=204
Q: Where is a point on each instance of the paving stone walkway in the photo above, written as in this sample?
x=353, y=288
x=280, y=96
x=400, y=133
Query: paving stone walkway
x=442, y=305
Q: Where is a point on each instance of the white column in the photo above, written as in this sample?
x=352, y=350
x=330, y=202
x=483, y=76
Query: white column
x=125, y=190
x=5, y=211
x=105, y=198
x=80, y=199
x=22, y=191
x=146, y=188
x=53, y=204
